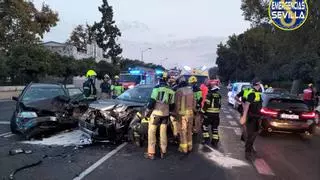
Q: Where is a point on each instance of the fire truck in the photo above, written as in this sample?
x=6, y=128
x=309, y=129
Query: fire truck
x=140, y=75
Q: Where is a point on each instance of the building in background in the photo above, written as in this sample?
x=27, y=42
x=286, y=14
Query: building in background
x=93, y=51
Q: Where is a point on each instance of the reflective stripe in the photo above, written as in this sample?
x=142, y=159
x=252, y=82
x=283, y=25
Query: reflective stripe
x=215, y=136
x=190, y=143
x=213, y=110
x=205, y=135
x=139, y=115
x=145, y=120
x=183, y=146
x=187, y=112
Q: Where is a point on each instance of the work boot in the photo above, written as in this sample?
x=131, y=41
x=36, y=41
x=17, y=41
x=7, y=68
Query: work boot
x=162, y=155
x=214, y=143
x=149, y=156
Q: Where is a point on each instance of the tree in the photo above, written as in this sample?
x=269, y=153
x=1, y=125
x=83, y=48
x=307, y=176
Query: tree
x=80, y=37
x=255, y=11
x=106, y=33
x=21, y=23
x=3, y=68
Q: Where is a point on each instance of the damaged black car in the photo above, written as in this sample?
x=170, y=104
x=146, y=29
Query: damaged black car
x=44, y=108
x=110, y=119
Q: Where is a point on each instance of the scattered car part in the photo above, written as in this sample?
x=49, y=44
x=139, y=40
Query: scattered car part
x=24, y=167
x=19, y=151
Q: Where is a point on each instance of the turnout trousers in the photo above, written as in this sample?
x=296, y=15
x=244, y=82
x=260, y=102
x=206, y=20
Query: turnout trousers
x=212, y=119
x=154, y=122
x=185, y=126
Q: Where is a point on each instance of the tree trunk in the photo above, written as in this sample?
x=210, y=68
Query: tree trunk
x=296, y=86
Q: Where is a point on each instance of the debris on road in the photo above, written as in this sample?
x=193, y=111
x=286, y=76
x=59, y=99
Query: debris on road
x=73, y=138
x=19, y=151
x=23, y=167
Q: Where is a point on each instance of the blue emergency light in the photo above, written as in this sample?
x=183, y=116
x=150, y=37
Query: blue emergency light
x=159, y=72
x=135, y=72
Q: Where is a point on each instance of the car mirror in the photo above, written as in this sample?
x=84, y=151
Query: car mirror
x=15, y=98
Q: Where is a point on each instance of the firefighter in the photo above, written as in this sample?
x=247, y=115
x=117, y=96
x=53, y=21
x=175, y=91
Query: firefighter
x=173, y=120
x=158, y=108
x=105, y=87
x=89, y=88
x=211, y=111
x=185, y=106
x=116, y=88
x=197, y=93
x=251, y=116
x=139, y=125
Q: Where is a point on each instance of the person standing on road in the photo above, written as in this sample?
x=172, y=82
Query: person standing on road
x=172, y=83
x=158, y=108
x=251, y=116
x=309, y=96
x=105, y=87
x=116, y=88
x=211, y=111
x=197, y=93
x=240, y=98
x=89, y=86
x=185, y=106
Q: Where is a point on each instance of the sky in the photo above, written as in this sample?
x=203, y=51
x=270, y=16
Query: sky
x=155, y=24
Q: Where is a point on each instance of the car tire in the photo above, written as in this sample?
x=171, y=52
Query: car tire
x=13, y=124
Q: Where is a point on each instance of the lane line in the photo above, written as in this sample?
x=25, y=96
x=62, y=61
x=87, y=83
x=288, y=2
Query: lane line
x=9, y=135
x=233, y=123
x=4, y=134
x=262, y=167
x=5, y=122
x=99, y=162
x=229, y=117
x=237, y=131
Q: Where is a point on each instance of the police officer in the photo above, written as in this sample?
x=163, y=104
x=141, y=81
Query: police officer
x=105, y=87
x=89, y=88
x=240, y=98
x=139, y=125
x=251, y=116
x=198, y=97
x=161, y=103
x=211, y=111
x=185, y=106
x=116, y=88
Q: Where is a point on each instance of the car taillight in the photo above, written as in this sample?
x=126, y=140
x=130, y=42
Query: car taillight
x=269, y=112
x=308, y=115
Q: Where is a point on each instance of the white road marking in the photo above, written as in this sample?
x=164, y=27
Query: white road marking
x=229, y=117
x=6, y=100
x=221, y=159
x=227, y=127
x=5, y=122
x=233, y=123
x=262, y=167
x=99, y=162
x=237, y=131
x=9, y=135
x=4, y=134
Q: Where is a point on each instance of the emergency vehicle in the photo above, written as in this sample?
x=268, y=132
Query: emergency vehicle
x=140, y=75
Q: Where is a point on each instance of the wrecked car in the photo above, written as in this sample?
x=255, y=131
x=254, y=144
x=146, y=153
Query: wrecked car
x=44, y=108
x=110, y=119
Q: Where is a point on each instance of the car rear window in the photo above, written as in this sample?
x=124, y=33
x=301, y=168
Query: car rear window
x=291, y=104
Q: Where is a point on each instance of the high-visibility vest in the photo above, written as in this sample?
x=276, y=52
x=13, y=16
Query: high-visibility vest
x=214, y=103
x=164, y=96
x=247, y=92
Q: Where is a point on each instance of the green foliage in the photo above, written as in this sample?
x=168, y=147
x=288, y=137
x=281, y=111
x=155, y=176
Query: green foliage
x=80, y=37
x=106, y=33
x=21, y=23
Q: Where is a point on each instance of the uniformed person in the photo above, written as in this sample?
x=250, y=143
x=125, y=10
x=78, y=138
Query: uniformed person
x=116, y=88
x=198, y=97
x=185, y=106
x=211, y=111
x=240, y=98
x=173, y=120
x=105, y=87
x=161, y=103
x=139, y=125
x=89, y=88
x=251, y=116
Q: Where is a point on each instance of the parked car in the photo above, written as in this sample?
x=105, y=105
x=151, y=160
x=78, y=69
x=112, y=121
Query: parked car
x=278, y=91
x=283, y=112
x=110, y=119
x=43, y=108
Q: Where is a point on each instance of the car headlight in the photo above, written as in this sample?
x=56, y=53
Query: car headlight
x=27, y=115
x=131, y=86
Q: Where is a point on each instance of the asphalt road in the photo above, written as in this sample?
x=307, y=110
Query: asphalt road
x=280, y=156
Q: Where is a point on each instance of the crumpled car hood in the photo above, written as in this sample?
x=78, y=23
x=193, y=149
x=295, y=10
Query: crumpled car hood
x=108, y=104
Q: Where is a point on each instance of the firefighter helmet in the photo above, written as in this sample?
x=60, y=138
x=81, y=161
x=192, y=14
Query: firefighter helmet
x=106, y=76
x=192, y=80
x=116, y=77
x=91, y=73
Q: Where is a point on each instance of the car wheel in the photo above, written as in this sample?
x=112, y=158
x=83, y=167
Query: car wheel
x=13, y=124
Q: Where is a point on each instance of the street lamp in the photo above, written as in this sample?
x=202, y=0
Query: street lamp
x=143, y=52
